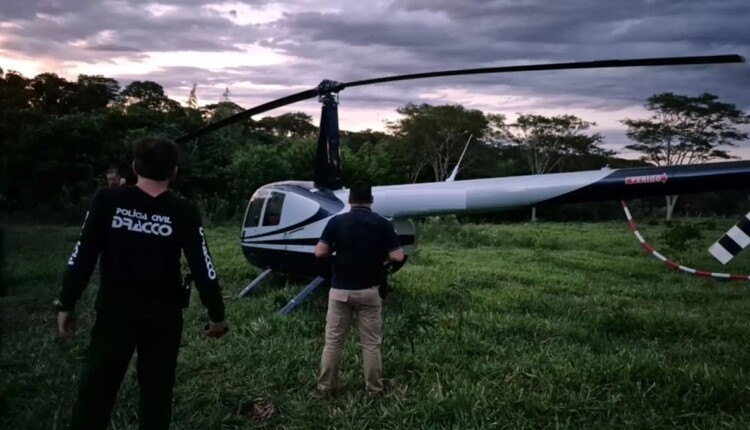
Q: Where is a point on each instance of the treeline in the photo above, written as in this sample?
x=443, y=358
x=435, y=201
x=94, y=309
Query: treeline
x=59, y=137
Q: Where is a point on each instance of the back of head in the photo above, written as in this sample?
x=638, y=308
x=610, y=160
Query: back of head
x=155, y=158
x=360, y=193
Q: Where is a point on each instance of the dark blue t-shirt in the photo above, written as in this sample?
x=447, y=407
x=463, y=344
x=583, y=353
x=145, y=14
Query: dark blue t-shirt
x=361, y=240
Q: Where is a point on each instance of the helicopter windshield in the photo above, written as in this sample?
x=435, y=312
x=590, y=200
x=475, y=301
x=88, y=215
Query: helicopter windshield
x=272, y=201
x=254, y=210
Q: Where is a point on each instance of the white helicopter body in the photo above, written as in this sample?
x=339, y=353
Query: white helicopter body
x=284, y=220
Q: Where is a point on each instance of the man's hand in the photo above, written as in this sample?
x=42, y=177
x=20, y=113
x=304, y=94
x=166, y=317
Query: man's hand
x=216, y=329
x=66, y=324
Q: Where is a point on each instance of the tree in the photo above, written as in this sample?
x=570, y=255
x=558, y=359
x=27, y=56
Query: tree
x=356, y=140
x=148, y=95
x=61, y=159
x=293, y=124
x=435, y=136
x=51, y=93
x=15, y=91
x=546, y=142
x=93, y=92
x=215, y=112
x=380, y=163
x=685, y=130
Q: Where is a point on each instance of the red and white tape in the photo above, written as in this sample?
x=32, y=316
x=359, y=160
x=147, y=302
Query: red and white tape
x=673, y=264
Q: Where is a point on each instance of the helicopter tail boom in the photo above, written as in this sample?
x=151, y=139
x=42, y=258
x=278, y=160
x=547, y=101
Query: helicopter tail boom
x=498, y=194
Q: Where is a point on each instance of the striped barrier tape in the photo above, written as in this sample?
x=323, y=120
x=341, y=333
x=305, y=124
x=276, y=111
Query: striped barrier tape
x=673, y=264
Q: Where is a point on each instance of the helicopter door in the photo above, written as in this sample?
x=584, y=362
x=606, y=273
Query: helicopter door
x=263, y=214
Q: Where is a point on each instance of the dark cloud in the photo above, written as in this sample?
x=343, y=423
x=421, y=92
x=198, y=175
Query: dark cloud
x=374, y=38
x=112, y=48
x=121, y=24
x=413, y=36
x=318, y=27
x=27, y=9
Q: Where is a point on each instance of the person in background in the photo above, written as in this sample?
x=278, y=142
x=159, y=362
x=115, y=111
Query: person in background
x=113, y=178
x=363, y=243
x=139, y=232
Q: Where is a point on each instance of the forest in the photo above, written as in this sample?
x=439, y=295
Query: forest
x=59, y=136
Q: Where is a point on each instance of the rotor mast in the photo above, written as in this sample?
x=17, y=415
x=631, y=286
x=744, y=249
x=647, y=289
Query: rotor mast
x=328, y=156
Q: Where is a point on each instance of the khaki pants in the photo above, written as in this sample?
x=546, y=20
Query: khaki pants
x=342, y=304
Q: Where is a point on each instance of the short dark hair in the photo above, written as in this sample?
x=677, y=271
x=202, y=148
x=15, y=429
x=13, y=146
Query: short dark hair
x=360, y=193
x=155, y=158
x=112, y=170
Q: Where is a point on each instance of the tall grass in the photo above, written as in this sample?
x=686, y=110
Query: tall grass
x=505, y=326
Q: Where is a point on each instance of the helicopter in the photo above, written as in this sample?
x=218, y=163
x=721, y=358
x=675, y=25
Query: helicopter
x=284, y=220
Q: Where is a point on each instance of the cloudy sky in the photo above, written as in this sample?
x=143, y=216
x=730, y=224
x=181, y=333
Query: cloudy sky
x=261, y=49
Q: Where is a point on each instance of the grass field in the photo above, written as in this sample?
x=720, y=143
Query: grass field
x=509, y=326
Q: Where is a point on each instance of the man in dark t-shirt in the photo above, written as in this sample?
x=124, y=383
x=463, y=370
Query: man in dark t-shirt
x=362, y=242
x=138, y=234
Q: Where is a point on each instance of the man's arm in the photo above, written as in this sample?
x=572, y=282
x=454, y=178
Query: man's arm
x=395, y=251
x=84, y=257
x=327, y=240
x=202, y=267
x=397, y=255
x=322, y=250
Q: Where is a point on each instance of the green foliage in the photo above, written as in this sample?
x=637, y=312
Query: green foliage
x=412, y=325
x=256, y=165
x=682, y=236
x=685, y=239
x=81, y=140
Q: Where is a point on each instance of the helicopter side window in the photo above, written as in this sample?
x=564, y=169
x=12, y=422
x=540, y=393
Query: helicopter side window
x=272, y=216
x=252, y=219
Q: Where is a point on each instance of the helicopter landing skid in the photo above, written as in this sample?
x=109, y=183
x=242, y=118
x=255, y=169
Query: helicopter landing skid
x=254, y=284
x=302, y=296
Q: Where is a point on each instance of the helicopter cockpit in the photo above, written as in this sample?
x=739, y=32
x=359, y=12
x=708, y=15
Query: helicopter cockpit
x=283, y=222
x=276, y=207
x=265, y=206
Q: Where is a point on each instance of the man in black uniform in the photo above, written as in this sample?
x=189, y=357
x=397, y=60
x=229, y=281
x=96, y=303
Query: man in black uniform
x=139, y=232
x=363, y=242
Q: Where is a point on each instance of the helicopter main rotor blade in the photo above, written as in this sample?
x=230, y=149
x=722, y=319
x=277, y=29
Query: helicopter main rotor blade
x=669, y=61
x=308, y=94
